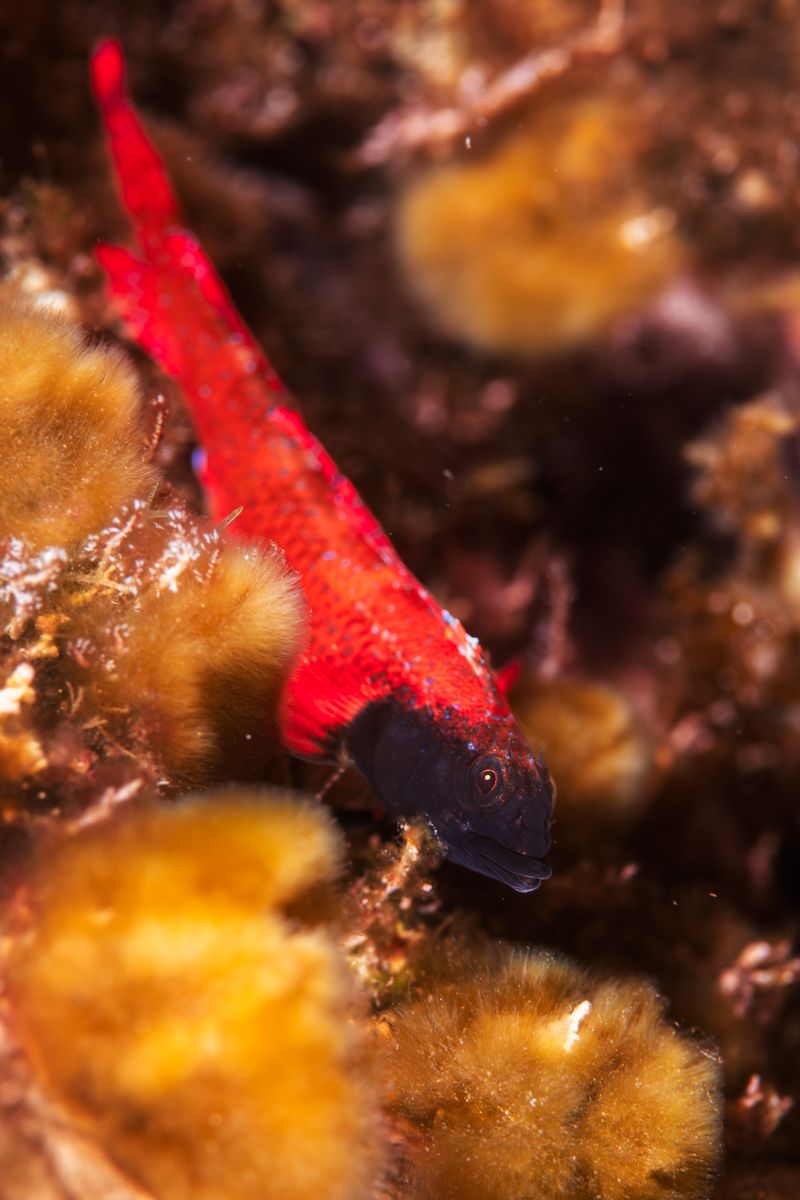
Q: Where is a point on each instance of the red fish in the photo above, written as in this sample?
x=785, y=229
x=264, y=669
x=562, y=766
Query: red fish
x=388, y=677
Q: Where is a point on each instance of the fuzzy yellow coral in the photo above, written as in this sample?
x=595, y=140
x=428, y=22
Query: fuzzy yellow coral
x=528, y=1077
x=72, y=449
x=596, y=747
x=188, y=640
x=165, y=640
x=181, y=997
x=538, y=245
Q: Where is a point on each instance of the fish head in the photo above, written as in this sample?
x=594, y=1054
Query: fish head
x=485, y=794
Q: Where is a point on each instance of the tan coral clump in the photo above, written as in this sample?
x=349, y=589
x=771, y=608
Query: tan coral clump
x=537, y=246
x=596, y=746
x=72, y=448
x=529, y=1078
x=160, y=639
x=157, y=638
x=184, y=1002
x=732, y=619
x=143, y=632
x=184, y=640
x=740, y=469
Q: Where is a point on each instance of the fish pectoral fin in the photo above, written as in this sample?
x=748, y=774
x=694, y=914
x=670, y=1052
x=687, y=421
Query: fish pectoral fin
x=322, y=699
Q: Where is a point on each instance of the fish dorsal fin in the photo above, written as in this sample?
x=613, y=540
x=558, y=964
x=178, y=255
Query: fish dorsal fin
x=505, y=677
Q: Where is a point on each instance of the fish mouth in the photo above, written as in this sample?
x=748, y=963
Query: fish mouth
x=522, y=872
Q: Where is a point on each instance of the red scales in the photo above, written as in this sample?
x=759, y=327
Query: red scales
x=387, y=675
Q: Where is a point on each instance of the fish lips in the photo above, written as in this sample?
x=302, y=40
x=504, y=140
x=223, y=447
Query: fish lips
x=519, y=871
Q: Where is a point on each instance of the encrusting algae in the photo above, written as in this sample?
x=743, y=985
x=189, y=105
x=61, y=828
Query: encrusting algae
x=526, y=1076
x=182, y=997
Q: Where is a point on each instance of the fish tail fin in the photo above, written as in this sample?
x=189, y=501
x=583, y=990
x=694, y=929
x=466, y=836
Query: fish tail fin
x=179, y=310
x=146, y=190
x=173, y=300
x=147, y=193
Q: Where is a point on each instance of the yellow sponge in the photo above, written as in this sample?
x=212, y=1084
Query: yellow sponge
x=183, y=999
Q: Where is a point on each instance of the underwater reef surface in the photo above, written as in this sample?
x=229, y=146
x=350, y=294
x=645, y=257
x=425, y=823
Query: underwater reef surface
x=532, y=270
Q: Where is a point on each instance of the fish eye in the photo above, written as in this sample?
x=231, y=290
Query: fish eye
x=487, y=780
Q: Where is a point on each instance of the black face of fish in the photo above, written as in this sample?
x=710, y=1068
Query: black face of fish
x=486, y=796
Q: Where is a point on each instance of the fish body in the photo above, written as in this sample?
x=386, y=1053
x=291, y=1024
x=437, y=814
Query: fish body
x=387, y=675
